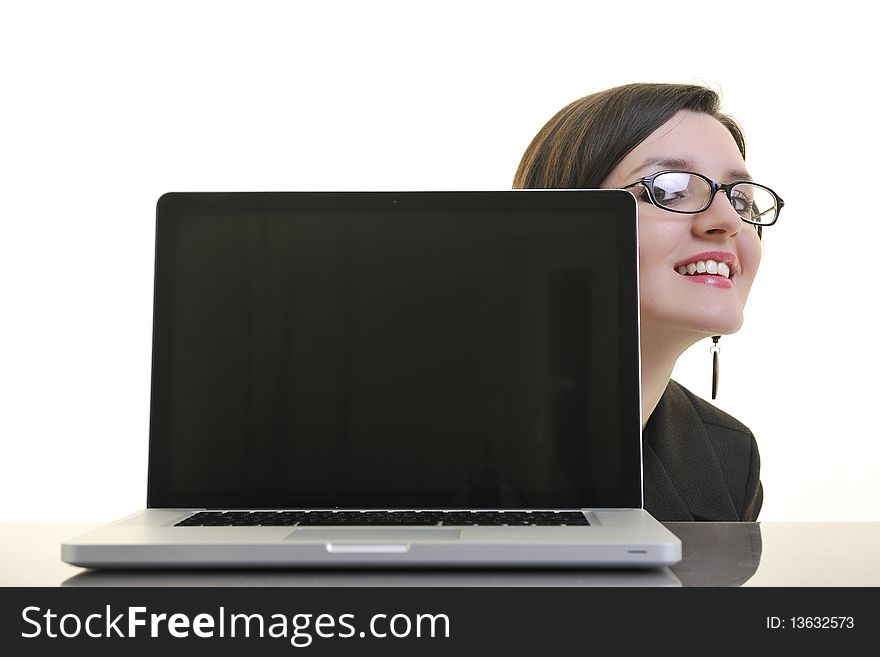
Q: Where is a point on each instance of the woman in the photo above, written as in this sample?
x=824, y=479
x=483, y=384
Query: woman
x=699, y=251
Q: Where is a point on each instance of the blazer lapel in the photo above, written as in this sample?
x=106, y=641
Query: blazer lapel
x=679, y=455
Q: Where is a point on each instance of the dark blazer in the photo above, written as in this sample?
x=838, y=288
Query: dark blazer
x=699, y=462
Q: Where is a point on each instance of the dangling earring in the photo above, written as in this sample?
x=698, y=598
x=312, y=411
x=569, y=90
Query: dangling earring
x=715, y=349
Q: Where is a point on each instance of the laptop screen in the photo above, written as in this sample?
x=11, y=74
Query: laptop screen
x=396, y=350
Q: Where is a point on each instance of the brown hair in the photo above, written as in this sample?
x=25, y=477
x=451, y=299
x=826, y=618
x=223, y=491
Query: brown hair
x=580, y=146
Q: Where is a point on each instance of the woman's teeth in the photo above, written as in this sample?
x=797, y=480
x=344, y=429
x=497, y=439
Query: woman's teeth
x=705, y=267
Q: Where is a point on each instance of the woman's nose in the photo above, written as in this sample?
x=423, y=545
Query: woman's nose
x=719, y=218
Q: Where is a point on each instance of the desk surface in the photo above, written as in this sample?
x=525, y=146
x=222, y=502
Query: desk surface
x=714, y=554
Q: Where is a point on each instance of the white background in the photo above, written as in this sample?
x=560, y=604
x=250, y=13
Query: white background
x=104, y=106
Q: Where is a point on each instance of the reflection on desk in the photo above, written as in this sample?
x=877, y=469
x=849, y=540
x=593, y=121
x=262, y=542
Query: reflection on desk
x=717, y=553
x=380, y=578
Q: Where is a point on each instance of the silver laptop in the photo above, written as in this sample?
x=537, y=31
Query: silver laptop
x=393, y=379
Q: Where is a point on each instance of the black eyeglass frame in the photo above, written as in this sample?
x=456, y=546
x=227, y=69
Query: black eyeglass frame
x=648, y=182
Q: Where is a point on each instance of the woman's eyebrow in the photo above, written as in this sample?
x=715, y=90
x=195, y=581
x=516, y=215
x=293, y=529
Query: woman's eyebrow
x=685, y=165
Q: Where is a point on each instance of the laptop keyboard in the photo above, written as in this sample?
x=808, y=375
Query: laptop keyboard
x=372, y=518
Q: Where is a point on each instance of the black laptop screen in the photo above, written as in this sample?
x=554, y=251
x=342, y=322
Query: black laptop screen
x=395, y=350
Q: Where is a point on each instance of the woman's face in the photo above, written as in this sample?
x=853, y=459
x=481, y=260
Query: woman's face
x=673, y=303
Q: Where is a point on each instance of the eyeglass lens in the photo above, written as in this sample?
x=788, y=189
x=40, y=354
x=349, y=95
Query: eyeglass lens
x=689, y=193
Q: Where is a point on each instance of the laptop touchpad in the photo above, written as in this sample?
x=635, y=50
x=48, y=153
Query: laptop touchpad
x=372, y=534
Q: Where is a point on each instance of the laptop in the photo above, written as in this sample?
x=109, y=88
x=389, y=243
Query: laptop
x=388, y=379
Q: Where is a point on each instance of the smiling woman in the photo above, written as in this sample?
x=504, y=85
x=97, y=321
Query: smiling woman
x=699, y=252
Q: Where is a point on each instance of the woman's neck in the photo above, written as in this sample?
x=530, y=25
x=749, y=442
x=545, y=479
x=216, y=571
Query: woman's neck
x=659, y=351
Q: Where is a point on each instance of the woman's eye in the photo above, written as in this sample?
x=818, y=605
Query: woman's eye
x=740, y=202
x=669, y=197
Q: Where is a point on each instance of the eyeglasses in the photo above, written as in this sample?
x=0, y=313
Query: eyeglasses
x=686, y=192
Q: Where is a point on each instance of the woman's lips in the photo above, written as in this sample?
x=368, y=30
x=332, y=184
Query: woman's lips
x=713, y=268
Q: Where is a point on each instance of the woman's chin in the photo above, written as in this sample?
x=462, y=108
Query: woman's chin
x=720, y=327
x=727, y=325
x=698, y=326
